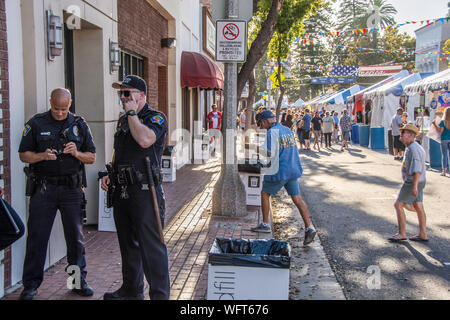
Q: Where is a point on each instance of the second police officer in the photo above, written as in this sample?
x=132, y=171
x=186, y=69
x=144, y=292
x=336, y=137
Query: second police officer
x=56, y=144
x=140, y=135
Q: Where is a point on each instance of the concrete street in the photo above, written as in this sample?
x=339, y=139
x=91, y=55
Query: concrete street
x=350, y=195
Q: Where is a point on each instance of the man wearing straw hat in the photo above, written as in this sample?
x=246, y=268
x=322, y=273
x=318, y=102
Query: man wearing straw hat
x=411, y=194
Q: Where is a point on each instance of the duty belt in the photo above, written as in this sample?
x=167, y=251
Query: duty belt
x=73, y=181
x=128, y=175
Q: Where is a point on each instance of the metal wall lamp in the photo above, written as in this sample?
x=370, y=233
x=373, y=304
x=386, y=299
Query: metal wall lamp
x=54, y=36
x=168, y=42
x=114, y=56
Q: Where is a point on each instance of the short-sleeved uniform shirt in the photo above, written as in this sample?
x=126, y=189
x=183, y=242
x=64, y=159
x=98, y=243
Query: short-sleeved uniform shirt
x=396, y=123
x=306, y=122
x=290, y=166
x=44, y=132
x=414, y=162
x=446, y=133
x=128, y=151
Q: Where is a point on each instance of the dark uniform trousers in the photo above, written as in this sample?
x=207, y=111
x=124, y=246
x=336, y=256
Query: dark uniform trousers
x=43, y=208
x=140, y=247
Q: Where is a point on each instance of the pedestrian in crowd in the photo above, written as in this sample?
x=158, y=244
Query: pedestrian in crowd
x=299, y=128
x=242, y=119
x=444, y=129
x=328, y=124
x=283, y=118
x=346, y=127
x=317, y=129
x=306, y=129
x=396, y=123
x=336, y=128
x=141, y=133
x=214, y=119
x=290, y=169
x=404, y=118
x=289, y=120
x=414, y=180
x=56, y=144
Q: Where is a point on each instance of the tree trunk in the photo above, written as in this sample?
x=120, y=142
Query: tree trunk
x=259, y=45
x=282, y=89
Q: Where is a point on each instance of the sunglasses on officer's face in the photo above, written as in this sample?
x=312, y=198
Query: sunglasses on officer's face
x=126, y=93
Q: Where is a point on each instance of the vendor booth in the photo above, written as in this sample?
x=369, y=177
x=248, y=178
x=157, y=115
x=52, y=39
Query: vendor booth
x=360, y=105
x=429, y=97
x=386, y=99
x=338, y=101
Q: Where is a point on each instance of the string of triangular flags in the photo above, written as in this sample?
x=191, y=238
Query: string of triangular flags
x=372, y=30
x=372, y=50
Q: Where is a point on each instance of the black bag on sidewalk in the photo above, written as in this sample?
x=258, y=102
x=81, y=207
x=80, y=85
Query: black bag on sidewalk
x=11, y=226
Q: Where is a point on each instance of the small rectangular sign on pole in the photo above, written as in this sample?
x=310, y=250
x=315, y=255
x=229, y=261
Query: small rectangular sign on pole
x=231, y=40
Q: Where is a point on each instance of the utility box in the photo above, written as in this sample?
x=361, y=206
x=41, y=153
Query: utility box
x=168, y=164
x=240, y=269
x=250, y=174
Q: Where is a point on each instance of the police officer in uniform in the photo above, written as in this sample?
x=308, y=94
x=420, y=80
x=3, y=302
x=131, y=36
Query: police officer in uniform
x=56, y=144
x=141, y=133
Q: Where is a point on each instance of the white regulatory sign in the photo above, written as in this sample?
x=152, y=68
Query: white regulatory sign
x=231, y=40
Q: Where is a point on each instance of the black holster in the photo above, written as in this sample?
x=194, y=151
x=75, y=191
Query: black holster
x=31, y=184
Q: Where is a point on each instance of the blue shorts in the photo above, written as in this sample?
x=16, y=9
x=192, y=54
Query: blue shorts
x=291, y=187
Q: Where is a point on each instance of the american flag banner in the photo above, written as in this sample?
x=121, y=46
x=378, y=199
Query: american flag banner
x=344, y=71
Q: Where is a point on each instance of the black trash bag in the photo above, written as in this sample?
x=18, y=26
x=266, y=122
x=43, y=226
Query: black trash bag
x=169, y=150
x=11, y=226
x=251, y=166
x=250, y=253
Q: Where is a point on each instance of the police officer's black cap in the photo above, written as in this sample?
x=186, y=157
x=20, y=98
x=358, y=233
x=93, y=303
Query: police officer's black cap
x=132, y=82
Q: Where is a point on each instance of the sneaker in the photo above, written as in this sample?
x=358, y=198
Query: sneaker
x=85, y=290
x=261, y=228
x=309, y=236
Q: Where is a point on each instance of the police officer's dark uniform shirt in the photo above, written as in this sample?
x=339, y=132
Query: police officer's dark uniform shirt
x=44, y=132
x=128, y=151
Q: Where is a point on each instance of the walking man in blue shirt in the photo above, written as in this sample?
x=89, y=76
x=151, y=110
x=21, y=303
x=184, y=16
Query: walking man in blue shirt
x=289, y=170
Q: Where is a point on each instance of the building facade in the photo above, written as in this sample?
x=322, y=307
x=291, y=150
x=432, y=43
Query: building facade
x=429, y=41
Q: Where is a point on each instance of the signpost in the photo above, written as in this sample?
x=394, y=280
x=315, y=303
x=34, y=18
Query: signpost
x=231, y=40
x=229, y=195
x=274, y=78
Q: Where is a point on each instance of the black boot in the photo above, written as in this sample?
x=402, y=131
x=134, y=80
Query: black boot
x=28, y=294
x=120, y=294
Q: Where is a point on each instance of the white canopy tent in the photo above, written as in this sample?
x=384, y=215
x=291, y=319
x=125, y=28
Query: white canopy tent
x=337, y=102
x=386, y=100
x=438, y=81
x=298, y=103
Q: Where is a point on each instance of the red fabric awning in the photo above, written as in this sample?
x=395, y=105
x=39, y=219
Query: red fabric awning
x=199, y=71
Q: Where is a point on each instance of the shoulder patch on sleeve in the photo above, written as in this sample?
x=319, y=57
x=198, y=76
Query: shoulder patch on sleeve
x=157, y=119
x=26, y=129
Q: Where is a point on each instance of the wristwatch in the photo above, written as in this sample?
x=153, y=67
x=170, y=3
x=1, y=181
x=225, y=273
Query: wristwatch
x=131, y=113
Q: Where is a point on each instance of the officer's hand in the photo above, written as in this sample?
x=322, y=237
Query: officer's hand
x=105, y=182
x=130, y=105
x=71, y=148
x=49, y=154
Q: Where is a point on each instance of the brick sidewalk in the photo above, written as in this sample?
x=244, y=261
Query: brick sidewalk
x=189, y=233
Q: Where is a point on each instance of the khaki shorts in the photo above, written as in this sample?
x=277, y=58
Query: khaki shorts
x=405, y=195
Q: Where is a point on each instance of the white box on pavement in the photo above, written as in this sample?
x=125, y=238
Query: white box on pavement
x=253, y=187
x=168, y=168
x=247, y=283
x=105, y=215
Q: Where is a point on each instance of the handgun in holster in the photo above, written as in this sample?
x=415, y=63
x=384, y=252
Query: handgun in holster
x=32, y=184
x=111, y=186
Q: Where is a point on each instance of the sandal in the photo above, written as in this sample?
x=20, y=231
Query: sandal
x=418, y=239
x=396, y=238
